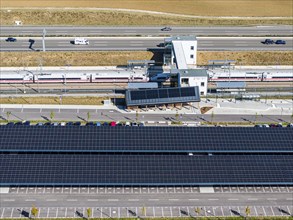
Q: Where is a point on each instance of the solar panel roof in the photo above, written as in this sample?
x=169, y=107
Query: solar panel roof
x=91, y=169
x=162, y=96
x=144, y=139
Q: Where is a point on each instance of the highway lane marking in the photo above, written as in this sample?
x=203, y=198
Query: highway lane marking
x=30, y=200
x=233, y=199
x=271, y=199
x=153, y=199
x=133, y=200
x=92, y=200
x=193, y=199
x=113, y=200
x=289, y=199
x=252, y=199
x=51, y=200
x=8, y=200
x=213, y=199
x=173, y=199
x=72, y=200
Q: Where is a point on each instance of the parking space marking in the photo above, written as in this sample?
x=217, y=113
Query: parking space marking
x=48, y=212
x=2, y=213
x=51, y=200
x=8, y=200
x=11, y=212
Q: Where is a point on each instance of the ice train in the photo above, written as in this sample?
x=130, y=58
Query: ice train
x=251, y=75
x=107, y=76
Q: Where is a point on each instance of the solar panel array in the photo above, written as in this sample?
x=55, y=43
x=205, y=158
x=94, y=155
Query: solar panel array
x=89, y=169
x=162, y=96
x=144, y=139
x=31, y=155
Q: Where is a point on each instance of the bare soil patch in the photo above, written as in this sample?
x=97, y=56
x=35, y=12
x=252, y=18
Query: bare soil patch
x=254, y=8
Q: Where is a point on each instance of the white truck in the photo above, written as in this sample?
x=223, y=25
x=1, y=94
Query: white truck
x=81, y=41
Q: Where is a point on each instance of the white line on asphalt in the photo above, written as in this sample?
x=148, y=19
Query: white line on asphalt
x=252, y=199
x=11, y=212
x=133, y=200
x=51, y=200
x=213, y=199
x=271, y=199
x=233, y=199
x=113, y=200
x=173, y=199
x=30, y=200
x=92, y=200
x=153, y=199
x=2, y=213
x=193, y=199
x=289, y=199
x=71, y=200
x=8, y=200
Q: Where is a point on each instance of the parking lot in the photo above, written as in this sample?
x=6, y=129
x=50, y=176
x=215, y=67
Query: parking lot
x=147, y=190
x=123, y=212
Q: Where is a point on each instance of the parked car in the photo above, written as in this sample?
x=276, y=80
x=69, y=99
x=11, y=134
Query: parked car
x=280, y=42
x=134, y=124
x=105, y=124
x=90, y=123
x=268, y=41
x=120, y=124
x=78, y=123
x=279, y=125
x=27, y=123
x=62, y=124
x=113, y=124
x=19, y=123
x=273, y=126
x=265, y=126
x=290, y=125
x=39, y=124
x=166, y=29
x=98, y=124
x=141, y=124
x=55, y=124
x=127, y=124
x=11, y=39
x=258, y=126
x=10, y=124
x=70, y=123
x=48, y=124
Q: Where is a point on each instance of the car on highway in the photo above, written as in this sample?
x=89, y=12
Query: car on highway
x=11, y=39
x=268, y=41
x=166, y=29
x=280, y=42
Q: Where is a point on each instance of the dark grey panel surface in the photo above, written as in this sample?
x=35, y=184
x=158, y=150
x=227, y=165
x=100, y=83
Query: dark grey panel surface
x=162, y=96
x=145, y=139
x=90, y=169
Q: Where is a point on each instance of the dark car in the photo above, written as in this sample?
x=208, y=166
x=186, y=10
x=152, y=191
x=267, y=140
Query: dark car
x=27, y=123
x=19, y=123
x=268, y=41
x=69, y=123
x=166, y=29
x=280, y=42
x=10, y=124
x=11, y=39
x=90, y=124
x=273, y=126
x=78, y=123
x=105, y=124
x=161, y=45
x=47, y=124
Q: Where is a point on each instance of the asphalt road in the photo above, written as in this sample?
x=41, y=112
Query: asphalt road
x=178, y=199
x=114, y=115
x=137, y=43
x=280, y=30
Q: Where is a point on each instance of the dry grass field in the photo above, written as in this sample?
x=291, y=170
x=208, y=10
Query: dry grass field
x=93, y=17
x=120, y=58
x=191, y=7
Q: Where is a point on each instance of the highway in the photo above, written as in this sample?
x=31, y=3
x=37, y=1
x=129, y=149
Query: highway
x=280, y=30
x=139, y=43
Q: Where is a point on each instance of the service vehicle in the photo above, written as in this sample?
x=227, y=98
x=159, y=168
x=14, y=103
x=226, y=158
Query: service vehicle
x=81, y=41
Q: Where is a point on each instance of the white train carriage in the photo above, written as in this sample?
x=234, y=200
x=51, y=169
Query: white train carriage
x=16, y=77
x=113, y=76
x=62, y=77
x=252, y=75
